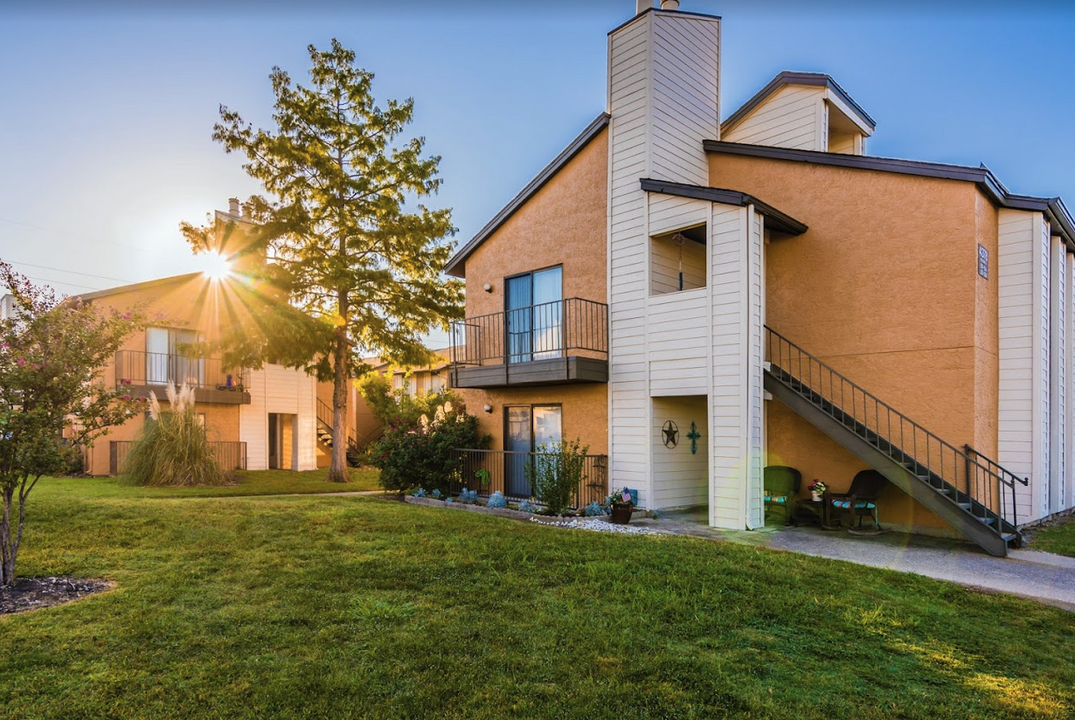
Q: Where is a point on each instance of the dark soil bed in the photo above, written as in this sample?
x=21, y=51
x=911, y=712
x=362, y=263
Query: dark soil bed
x=33, y=593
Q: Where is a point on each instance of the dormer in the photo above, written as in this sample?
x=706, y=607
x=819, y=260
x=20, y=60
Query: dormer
x=804, y=111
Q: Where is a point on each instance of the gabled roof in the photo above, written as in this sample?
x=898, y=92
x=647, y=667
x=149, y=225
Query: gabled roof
x=454, y=266
x=796, y=78
x=775, y=219
x=1053, y=208
x=148, y=284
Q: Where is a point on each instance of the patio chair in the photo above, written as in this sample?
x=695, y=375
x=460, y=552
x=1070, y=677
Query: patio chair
x=860, y=500
x=781, y=483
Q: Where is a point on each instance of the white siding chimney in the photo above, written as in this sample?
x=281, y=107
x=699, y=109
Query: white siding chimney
x=663, y=96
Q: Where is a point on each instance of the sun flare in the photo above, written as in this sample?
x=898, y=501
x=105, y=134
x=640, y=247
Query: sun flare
x=215, y=266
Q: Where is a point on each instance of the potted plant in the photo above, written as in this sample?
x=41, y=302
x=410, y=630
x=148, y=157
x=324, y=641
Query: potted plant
x=817, y=489
x=621, y=504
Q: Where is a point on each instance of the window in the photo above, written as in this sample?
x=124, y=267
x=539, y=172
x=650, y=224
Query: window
x=165, y=363
x=534, y=315
x=678, y=261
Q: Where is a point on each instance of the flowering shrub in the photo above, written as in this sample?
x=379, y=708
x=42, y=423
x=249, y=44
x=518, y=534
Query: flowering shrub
x=419, y=453
x=497, y=501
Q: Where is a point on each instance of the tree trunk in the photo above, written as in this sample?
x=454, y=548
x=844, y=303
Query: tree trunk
x=337, y=472
x=8, y=546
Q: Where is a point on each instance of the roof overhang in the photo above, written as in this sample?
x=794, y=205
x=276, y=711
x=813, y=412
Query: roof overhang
x=774, y=219
x=456, y=264
x=147, y=285
x=837, y=96
x=1054, y=209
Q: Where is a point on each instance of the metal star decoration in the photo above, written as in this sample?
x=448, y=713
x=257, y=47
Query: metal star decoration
x=671, y=434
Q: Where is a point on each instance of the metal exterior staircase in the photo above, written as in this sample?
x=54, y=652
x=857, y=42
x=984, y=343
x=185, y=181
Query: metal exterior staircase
x=963, y=487
x=355, y=446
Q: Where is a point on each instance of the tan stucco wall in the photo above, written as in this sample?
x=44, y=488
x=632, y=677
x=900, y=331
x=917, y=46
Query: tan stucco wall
x=584, y=411
x=562, y=224
x=884, y=288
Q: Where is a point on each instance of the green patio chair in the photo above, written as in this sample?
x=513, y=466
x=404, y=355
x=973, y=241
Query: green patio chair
x=781, y=483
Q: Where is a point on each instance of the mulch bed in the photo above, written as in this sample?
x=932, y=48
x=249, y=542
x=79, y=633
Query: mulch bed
x=33, y=593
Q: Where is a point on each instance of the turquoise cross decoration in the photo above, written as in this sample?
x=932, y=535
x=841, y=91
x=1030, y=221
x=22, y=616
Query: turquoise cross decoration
x=694, y=435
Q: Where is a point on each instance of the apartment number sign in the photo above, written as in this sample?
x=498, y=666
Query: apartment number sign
x=983, y=261
x=671, y=434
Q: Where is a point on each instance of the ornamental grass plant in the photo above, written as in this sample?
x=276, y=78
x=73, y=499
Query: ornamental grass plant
x=173, y=448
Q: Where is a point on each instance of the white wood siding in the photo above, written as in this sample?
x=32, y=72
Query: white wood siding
x=755, y=321
x=276, y=389
x=1042, y=364
x=1023, y=279
x=664, y=101
x=1067, y=480
x=686, y=108
x=787, y=118
x=680, y=477
x=1058, y=400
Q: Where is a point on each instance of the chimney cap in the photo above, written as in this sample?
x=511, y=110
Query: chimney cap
x=669, y=4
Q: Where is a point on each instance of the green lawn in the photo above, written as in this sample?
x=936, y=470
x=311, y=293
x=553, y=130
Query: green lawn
x=344, y=607
x=1059, y=538
x=251, y=482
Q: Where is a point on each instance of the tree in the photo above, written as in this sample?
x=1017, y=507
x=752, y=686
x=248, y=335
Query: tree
x=52, y=403
x=336, y=228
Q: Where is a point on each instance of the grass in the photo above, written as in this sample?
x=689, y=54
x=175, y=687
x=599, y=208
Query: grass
x=1058, y=538
x=251, y=482
x=347, y=607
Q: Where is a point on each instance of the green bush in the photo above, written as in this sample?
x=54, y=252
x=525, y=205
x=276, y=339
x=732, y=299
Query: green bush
x=173, y=448
x=556, y=473
x=418, y=453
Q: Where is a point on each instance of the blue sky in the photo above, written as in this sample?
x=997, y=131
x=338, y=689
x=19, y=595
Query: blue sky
x=106, y=108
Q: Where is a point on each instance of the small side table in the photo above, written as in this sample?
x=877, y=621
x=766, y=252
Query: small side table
x=813, y=511
x=809, y=510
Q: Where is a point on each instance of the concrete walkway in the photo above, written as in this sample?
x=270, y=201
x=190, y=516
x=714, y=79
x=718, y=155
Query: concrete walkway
x=1027, y=573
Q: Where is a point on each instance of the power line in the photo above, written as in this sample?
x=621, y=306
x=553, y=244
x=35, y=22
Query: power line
x=73, y=272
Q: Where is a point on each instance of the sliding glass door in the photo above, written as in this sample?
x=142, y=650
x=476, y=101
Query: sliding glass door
x=534, y=315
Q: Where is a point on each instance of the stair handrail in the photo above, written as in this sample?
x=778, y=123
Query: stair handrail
x=930, y=436
x=993, y=463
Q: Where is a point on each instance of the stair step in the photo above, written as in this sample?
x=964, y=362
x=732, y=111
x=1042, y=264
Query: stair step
x=1009, y=537
x=987, y=521
x=965, y=506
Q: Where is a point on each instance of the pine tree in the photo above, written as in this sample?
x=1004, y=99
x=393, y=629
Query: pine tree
x=336, y=223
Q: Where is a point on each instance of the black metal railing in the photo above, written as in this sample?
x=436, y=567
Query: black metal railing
x=536, y=332
x=489, y=471
x=136, y=367
x=230, y=454
x=977, y=482
x=356, y=441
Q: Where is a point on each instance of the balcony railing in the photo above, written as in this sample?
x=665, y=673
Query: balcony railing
x=135, y=367
x=536, y=332
x=505, y=472
x=230, y=454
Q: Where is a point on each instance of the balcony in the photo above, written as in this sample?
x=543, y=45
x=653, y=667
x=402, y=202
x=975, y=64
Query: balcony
x=555, y=343
x=145, y=373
